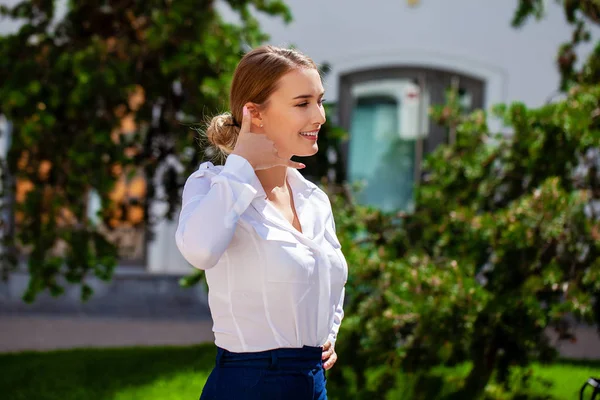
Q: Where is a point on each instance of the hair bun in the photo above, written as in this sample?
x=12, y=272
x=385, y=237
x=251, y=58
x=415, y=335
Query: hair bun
x=222, y=132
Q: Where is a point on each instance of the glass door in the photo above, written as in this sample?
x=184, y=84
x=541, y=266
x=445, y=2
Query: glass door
x=387, y=121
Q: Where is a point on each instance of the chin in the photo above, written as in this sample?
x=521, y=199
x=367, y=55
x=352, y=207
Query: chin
x=307, y=153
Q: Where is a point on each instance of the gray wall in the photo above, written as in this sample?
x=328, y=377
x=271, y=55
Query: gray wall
x=473, y=36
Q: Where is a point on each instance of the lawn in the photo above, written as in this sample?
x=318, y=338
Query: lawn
x=568, y=377
x=139, y=373
x=175, y=373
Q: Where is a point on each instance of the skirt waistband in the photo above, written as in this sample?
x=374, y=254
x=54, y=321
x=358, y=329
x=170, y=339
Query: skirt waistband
x=306, y=356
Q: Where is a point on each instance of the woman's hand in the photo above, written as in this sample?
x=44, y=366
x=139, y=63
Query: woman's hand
x=329, y=356
x=257, y=149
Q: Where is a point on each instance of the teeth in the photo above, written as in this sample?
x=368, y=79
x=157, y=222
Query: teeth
x=308, y=133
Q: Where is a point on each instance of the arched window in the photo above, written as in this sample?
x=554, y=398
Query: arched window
x=385, y=112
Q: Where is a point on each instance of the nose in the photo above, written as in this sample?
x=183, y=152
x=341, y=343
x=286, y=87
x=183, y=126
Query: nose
x=319, y=115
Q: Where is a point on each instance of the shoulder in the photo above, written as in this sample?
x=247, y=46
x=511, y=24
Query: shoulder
x=313, y=191
x=206, y=169
x=310, y=190
x=320, y=196
x=321, y=200
x=324, y=210
x=205, y=172
x=199, y=181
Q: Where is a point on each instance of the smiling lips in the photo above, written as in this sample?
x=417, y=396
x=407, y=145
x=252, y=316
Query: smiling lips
x=311, y=135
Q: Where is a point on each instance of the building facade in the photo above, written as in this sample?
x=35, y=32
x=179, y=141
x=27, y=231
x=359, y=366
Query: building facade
x=389, y=61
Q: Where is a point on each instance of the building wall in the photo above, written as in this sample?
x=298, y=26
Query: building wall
x=471, y=36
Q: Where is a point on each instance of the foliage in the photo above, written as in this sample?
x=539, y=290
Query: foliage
x=580, y=14
x=104, y=92
x=504, y=243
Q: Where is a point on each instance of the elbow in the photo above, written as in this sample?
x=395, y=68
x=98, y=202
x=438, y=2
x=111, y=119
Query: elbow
x=199, y=256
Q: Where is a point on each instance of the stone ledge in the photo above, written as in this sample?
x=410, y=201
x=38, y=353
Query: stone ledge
x=129, y=294
x=41, y=333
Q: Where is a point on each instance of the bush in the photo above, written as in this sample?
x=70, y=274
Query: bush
x=504, y=244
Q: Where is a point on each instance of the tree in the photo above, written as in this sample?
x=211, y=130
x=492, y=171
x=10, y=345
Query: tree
x=106, y=91
x=504, y=243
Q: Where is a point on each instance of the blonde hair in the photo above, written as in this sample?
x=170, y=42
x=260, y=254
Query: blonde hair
x=254, y=80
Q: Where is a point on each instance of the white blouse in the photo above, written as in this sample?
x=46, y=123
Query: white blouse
x=270, y=285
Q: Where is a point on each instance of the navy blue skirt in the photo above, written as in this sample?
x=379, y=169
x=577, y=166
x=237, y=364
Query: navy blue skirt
x=280, y=374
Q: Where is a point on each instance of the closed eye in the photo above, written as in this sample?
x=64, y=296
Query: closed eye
x=319, y=102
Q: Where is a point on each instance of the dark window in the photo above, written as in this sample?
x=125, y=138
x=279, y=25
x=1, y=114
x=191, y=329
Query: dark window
x=385, y=112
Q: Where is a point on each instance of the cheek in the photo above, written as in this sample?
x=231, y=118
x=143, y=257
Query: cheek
x=286, y=126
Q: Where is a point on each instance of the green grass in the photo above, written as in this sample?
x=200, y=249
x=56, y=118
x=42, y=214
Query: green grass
x=559, y=381
x=176, y=373
x=568, y=377
x=172, y=373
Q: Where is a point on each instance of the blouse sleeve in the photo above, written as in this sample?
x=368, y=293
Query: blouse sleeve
x=337, y=319
x=211, y=206
x=339, y=310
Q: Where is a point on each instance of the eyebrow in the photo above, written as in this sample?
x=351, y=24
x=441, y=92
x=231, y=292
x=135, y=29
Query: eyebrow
x=307, y=96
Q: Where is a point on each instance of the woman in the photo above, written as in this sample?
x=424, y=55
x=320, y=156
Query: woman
x=266, y=236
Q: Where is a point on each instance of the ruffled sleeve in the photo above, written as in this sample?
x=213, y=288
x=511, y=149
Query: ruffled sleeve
x=214, y=198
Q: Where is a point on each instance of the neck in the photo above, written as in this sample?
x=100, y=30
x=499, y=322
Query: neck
x=273, y=180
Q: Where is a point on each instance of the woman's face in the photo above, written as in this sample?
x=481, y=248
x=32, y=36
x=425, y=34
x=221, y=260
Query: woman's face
x=294, y=113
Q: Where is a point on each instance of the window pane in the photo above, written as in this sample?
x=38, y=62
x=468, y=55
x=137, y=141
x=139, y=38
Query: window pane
x=379, y=158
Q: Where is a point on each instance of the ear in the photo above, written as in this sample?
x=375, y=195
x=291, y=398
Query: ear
x=255, y=112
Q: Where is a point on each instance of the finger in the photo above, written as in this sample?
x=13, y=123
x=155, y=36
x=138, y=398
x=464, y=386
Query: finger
x=327, y=351
x=246, y=121
x=297, y=165
x=330, y=362
x=290, y=163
